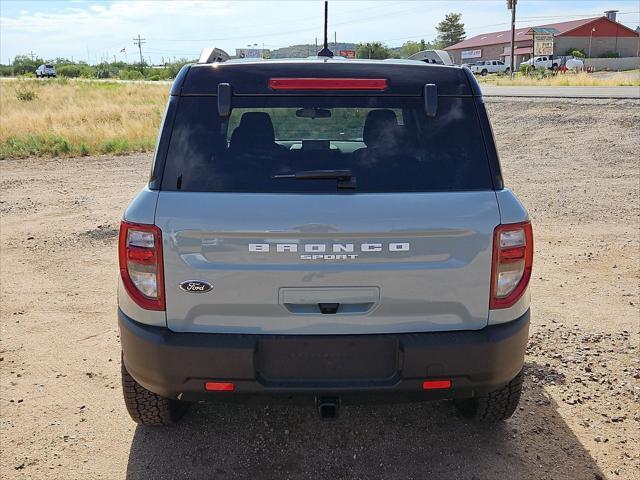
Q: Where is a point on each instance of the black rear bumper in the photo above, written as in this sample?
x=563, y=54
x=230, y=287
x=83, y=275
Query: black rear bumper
x=176, y=365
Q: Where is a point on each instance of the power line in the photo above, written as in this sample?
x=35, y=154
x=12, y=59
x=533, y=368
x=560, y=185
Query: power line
x=279, y=34
x=308, y=19
x=138, y=42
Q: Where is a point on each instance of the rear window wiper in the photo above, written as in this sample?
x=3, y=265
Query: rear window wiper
x=344, y=177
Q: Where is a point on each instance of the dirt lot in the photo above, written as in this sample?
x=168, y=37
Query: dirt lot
x=575, y=165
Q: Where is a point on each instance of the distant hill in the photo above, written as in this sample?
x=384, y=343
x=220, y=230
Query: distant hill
x=305, y=50
x=301, y=51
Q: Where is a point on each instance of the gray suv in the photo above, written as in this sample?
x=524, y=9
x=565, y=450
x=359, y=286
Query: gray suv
x=329, y=229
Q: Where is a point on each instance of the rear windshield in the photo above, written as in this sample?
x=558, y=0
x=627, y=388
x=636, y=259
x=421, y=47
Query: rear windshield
x=385, y=144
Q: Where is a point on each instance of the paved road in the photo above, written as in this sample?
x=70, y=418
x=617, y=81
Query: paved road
x=561, y=92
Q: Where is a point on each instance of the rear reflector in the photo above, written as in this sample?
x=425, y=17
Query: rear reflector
x=328, y=83
x=436, y=384
x=219, y=386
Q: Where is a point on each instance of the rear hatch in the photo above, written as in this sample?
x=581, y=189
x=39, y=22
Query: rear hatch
x=399, y=240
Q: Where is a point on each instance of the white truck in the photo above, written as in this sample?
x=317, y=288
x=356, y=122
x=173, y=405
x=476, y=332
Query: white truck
x=484, y=67
x=543, y=62
x=46, y=70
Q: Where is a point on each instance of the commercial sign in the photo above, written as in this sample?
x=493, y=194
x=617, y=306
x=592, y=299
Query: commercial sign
x=471, y=54
x=543, y=44
x=348, y=53
x=542, y=40
x=251, y=53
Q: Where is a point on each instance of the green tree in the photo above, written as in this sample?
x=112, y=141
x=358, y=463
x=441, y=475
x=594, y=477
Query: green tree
x=24, y=64
x=410, y=47
x=376, y=50
x=450, y=30
x=575, y=52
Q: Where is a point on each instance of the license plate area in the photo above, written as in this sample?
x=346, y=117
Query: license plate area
x=327, y=359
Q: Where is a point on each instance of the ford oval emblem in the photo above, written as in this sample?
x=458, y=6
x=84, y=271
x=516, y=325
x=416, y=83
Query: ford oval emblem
x=195, y=286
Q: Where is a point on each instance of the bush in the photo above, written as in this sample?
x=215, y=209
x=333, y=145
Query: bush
x=76, y=71
x=69, y=71
x=6, y=71
x=574, y=52
x=131, y=75
x=154, y=78
x=84, y=149
x=609, y=55
x=526, y=69
x=25, y=94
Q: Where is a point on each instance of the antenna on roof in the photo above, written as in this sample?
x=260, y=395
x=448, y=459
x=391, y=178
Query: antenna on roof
x=325, y=52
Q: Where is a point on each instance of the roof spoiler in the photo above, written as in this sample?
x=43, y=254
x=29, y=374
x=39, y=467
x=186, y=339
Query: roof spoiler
x=213, y=55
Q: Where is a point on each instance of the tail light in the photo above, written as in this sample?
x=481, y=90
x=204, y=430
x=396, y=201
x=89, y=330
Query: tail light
x=512, y=262
x=140, y=253
x=328, y=83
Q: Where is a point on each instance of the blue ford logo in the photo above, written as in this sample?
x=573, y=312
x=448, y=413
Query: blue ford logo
x=195, y=286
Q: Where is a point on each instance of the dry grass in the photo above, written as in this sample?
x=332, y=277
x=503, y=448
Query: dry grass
x=71, y=118
x=566, y=80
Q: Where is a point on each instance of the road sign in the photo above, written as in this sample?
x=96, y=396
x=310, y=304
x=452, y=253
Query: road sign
x=348, y=53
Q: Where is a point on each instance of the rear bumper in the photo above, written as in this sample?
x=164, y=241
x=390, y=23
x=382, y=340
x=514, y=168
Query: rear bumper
x=176, y=365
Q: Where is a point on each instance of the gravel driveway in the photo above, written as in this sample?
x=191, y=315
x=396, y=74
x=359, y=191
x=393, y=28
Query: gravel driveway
x=574, y=164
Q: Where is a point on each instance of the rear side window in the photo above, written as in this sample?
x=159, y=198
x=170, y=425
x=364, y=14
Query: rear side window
x=387, y=144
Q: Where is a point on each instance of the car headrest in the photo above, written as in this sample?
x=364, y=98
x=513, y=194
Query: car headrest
x=254, y=127
x=377, y=123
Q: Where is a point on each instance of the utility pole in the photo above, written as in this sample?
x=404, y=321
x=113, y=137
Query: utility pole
x=511, y=5
x=138, y=42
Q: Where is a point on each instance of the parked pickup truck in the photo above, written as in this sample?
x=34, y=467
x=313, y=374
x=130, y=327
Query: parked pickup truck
x=46, y=70
x=485, y=67
x=543, y=62
x=329, y=230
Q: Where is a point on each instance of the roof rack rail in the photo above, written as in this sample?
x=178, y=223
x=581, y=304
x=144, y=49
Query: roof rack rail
x=213, y=55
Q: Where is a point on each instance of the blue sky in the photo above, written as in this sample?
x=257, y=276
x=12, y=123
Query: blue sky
x=89, y=29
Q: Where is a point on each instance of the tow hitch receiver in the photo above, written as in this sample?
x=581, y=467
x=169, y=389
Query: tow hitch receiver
x=328, y=407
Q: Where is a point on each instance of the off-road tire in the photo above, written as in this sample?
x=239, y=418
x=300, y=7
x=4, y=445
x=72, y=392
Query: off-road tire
x=148, y=408
x=494, y=406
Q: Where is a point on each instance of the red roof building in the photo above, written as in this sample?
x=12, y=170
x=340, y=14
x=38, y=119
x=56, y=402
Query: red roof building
x=601, y=35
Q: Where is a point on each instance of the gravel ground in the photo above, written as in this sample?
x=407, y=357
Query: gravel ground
x=573, y=163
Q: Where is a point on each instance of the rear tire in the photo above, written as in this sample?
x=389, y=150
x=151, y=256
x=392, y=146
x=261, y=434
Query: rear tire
x=494, y=406
x=148, y=408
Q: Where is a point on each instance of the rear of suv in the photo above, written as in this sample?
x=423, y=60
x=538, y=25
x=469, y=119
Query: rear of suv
x=46, y=70
x=331, y=229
